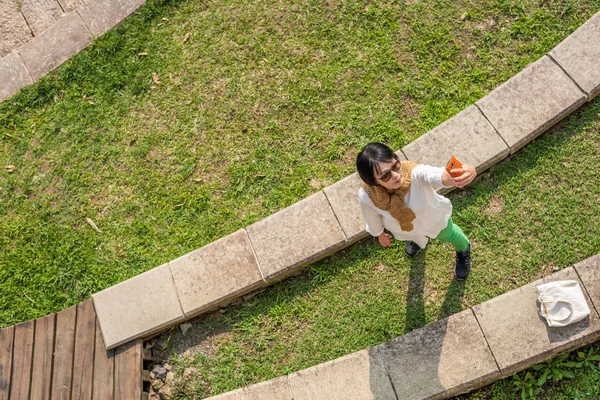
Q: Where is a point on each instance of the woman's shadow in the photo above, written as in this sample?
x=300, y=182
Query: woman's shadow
x=415, y=300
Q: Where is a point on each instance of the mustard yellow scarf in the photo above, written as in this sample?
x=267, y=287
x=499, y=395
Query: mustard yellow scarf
x=394, y=203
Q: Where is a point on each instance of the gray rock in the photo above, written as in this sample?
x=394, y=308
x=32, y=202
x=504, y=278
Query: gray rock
x=159, y=371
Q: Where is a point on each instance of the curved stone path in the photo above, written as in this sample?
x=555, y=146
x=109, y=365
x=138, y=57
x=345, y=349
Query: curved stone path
x=509, y=117
x=36, y=36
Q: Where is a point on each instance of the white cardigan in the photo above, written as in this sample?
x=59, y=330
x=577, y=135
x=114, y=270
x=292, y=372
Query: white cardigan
x=432, y=210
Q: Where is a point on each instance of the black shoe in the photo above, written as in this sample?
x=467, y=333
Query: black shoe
x=412, y=249
x=463, y=264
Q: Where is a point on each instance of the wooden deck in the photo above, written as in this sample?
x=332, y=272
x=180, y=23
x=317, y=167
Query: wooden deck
x=62, y=356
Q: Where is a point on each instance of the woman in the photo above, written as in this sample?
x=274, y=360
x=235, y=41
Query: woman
x=399, y=196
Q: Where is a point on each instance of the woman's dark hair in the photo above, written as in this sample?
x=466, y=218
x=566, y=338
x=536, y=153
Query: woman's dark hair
x=368, y=158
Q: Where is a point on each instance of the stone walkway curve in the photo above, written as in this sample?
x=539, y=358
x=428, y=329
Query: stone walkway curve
x=36, y=36
x=59, y=353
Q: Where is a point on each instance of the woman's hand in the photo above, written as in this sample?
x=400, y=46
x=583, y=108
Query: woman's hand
x=467, y=174
x=385, y=239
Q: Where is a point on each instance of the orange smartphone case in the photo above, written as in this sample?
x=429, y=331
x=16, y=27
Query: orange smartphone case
x=453, y=164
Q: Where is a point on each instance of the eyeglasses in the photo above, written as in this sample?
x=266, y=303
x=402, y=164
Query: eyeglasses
x=395, y=167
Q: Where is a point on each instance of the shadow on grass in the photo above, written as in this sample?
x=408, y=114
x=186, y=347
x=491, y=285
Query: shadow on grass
x=415, y=301
x=239, y=317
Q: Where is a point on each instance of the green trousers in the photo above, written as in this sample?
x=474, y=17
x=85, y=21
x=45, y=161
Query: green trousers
x=453, y=234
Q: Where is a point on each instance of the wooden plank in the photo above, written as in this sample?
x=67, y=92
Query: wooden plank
x=104, y=366
x=63, y=353
x=83, y=362
x=22, y=358
x=41, y=373
x=7, y=336
x=128, y=371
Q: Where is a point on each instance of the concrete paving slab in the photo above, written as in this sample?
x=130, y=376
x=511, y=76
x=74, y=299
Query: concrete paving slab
x=519, y=337
x=443, y=359
x=468, y=136
x=131, y=5
x=357, y=376
x=102, y=15
x=343, y=198
x=54, y=46
x=275, y=389
x=589, y=273
x=13, y=27
x=216, y=273
x=578, y=55
x=13, y=75
x=41, y=14
x=70, y=5
x=531, y=102
x=137, y=307
x=295, y=236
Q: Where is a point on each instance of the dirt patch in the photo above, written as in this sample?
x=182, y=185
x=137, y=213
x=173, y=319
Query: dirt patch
x=195, y=340
x=409, y=108
x=494, y=206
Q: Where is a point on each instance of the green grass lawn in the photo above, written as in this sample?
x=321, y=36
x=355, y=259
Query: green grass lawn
x=524, y=217
x=194, y=119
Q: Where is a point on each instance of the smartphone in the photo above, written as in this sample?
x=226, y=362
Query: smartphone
x=453, y=164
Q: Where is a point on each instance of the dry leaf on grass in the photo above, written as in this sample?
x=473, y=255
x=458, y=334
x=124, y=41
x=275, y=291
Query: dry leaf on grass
x=155, y=78
x=89, y=221
x=186, y=37
x=165, y=19
x=198, y=179
x=143, y=53
x=463, y=16
x=10, y=168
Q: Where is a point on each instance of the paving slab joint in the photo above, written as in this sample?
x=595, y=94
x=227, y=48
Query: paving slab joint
x=25, y=66
x=485, y=338
x=84, y=23
x=493, y=127
x=28, y=24
x=569, y=76
x=336, y=217
x=587, y=292
x=262, y=275
x=176, y=291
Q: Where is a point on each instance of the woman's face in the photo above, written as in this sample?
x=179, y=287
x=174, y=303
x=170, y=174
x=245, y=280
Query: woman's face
x=389, y=175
